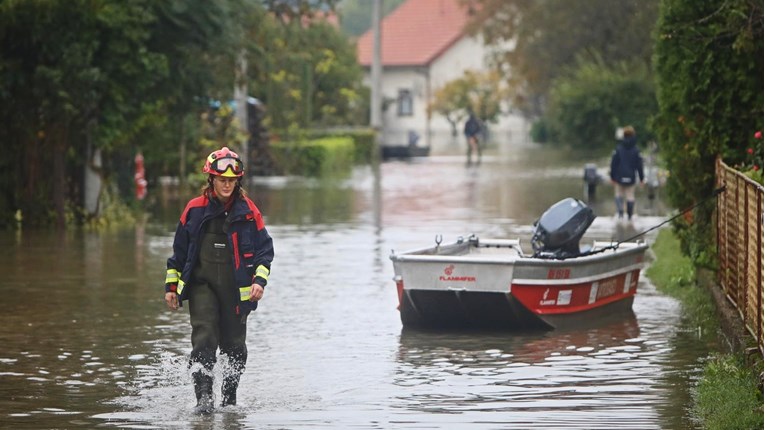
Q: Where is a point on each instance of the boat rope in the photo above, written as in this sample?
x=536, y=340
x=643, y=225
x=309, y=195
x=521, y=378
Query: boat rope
x=715, y=193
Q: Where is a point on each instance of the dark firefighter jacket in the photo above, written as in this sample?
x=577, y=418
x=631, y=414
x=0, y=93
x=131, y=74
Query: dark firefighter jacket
x=248, y=238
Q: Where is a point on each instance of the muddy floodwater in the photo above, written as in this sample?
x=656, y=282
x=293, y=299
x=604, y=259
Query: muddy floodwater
x=87, y=342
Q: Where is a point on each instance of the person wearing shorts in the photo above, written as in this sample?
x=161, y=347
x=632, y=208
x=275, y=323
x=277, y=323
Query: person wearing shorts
x=626, y=172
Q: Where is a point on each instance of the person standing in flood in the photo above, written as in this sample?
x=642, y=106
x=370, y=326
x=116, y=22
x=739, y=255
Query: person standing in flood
x=472, y=133
x=626, y=165
x=221, y=260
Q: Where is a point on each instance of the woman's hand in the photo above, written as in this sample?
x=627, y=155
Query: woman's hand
x=171, y=298
x=256, y=292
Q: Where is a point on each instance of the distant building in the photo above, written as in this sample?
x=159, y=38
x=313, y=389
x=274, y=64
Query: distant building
x=424, y=46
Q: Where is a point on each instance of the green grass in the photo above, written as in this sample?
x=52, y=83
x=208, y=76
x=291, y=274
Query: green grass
x=671, y=267
x=674, y=275
x=729, y=393
x=728, y=396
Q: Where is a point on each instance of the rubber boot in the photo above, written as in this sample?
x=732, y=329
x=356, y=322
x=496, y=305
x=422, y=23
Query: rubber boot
x=228, y=390
x=203, y=388
x=630, y=209
x=619, y=206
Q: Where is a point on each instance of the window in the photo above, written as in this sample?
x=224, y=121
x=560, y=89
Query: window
x=405, y=103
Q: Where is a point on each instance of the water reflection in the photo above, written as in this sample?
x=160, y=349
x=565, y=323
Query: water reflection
x=573, y=378
x=424, y=347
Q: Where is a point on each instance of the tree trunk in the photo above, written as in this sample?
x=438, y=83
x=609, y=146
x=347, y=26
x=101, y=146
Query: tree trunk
x=59, y=175
x=92, y=181
x=32, y=165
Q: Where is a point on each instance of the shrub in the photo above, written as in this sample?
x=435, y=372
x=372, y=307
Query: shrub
x=708, y=63
x=588, y=104
x=539, y=131
x=363, y=141
x=329, y=156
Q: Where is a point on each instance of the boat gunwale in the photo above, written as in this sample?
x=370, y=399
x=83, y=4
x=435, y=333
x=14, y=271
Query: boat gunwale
x=622, y=249
x=532, y=282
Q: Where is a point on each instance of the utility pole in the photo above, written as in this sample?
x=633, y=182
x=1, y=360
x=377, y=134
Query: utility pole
x=240, y=97
x=376, y=112
x=376, y=73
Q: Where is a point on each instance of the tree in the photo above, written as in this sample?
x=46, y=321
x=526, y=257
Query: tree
x=587, y=105
x=139, y=75
x=709, y=68
x=305, y=72
x=199, y=40
x=549, y=36
x=356, y=16
x=336, y=94
x=72, y=87
x=451, y=101
x=480, y=92
x=91, y=88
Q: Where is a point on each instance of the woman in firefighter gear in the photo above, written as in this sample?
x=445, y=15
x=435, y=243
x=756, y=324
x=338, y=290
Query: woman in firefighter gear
x=221, y=260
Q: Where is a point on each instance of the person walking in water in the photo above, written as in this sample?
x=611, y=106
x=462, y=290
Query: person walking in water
x=626, y=164
x=472, y=133
x=221, y=260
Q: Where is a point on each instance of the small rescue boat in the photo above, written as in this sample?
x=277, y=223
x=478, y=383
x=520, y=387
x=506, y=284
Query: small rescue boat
x=476, y=282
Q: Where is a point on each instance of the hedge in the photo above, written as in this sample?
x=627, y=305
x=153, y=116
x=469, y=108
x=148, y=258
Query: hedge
x=328, y=156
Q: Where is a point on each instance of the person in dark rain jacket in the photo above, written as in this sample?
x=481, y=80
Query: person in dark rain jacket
x=221, y=261
x=472, y=133
x=626, y=170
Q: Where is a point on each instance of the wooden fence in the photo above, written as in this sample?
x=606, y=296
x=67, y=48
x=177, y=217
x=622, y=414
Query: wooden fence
x=739, y=244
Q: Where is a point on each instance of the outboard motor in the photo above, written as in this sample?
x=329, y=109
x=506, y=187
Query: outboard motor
x=558, y=231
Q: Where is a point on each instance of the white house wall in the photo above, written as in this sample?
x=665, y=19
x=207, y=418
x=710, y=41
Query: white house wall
x=396, y=128
x=466, y=54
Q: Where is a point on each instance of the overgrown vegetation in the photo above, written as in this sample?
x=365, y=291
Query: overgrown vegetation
x=307, y=74
x=115, y=212
x=709, y=68
x=551, y=37
x=579, y=71
x=675, y=275
x=139, y=76
x=729, y=393
x=588, y=104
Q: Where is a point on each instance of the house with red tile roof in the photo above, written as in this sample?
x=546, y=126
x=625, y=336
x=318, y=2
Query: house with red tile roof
x=424, y=45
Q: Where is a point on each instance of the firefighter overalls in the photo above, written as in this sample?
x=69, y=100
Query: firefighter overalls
x=215, y=319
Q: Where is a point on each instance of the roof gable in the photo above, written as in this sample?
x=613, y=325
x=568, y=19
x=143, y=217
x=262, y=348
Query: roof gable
x=416, y=33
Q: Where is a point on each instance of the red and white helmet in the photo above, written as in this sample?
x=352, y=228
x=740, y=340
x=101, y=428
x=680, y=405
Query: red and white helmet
x=224, y=162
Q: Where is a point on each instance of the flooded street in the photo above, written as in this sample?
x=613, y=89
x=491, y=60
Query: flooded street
x=86, y=340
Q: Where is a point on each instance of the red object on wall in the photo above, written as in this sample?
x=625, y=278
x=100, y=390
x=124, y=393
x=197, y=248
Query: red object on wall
x=140, y=177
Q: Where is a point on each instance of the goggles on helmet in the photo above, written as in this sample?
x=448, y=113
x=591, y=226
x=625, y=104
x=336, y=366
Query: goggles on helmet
x=220, y=165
